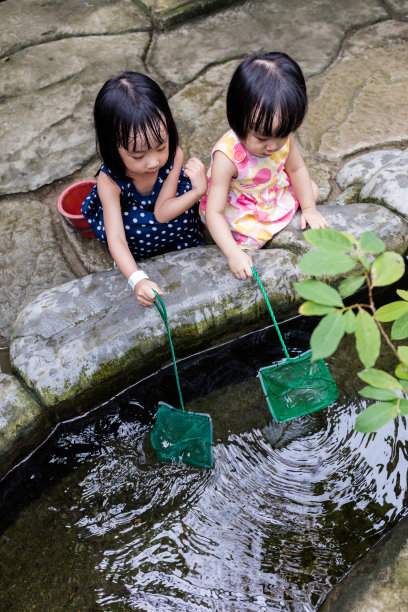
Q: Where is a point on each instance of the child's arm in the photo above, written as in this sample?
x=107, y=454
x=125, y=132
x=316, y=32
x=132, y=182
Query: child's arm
x=109, y=194
x=303, y=188
x=221, y=174
x=169, y=206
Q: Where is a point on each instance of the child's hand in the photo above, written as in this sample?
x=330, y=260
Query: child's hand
x=240, y=265
x=195, y=171
x=313, y=218
x=144, y=292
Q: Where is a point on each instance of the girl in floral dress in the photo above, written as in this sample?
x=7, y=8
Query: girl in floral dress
x=257, y=177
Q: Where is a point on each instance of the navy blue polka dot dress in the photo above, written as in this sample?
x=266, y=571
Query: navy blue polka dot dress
x=144, y=234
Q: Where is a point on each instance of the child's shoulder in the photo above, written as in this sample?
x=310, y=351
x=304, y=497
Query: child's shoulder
x=231, y=146
x=228, y=144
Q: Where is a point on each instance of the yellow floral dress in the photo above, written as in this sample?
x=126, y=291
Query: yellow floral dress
x=261, y=201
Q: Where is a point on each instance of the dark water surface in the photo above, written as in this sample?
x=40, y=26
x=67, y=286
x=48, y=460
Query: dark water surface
x=93, y=522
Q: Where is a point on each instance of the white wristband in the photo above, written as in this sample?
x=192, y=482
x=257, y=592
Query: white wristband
x=135, y=277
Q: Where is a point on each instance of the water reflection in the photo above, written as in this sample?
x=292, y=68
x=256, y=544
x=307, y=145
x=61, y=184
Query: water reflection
x=284, y=514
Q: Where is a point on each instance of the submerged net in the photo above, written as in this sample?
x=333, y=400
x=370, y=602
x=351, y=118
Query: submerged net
x=296, y=386
x=182, y=436
x=179, y=435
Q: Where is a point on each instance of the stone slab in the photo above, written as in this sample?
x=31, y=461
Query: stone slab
x=63, y=77
x=91, y=331
x=356, y=104
x=379, y=582
x=390, y=185
x=20, y=415
x=261, y=25
x=25, y=23
x=167, y=13
x=31, y=260
x=353, y=218
x=360, y=169
x=398, y=7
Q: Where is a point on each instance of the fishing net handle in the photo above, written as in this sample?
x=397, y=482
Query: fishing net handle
x=163, y=313
x=258, y=280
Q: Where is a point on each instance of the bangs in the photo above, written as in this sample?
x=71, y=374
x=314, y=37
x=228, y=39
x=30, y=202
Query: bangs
x=271, y=121
x=134, y=128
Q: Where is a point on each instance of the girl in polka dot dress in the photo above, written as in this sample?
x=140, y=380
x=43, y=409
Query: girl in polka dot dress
x=144, y=202
x=257, y=177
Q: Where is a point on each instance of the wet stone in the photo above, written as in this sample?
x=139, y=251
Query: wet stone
x=19, y=413
x=351, y=195
x=360, y=169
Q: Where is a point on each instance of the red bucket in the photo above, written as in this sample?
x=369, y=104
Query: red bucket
x=70, y=204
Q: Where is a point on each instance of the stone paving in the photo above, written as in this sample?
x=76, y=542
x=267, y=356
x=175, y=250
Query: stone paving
x=76, y=331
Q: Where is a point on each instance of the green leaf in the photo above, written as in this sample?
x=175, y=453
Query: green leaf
x=364, y=261
x=328, y=239
x=319, y=263
x=350, y=285
x=403, y=353
x=403, y=294
x=368, y=339
x=311, y=309
x=327, y=335
x=400, y=328
x=375, y=416
x=392, y=311
x=349, y=321
x=370, y=243
x=386, y=269
x=379, y=379
x=403, y=407
x=319, y=292
x=377, y=394
x=399, y=372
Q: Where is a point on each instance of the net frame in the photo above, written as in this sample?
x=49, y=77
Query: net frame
x=290, y=396
x=180, y=435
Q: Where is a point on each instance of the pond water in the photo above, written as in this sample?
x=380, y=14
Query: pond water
x=91, y=521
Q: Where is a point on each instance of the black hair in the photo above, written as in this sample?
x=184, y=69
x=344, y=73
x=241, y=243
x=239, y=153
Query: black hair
x=267, y=90
x=128, y=105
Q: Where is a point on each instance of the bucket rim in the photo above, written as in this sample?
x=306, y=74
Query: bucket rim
x=67, y=190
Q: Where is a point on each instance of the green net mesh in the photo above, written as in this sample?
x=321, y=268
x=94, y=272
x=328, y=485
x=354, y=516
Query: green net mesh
x=182, y=436
x=297, y=387
x=178, y=435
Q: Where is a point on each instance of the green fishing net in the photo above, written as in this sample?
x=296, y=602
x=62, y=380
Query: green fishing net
x=179, y=435
x=182, y=436
x=296, y=386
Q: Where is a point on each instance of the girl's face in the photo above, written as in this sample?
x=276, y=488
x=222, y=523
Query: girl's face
x=142, y=162
x=262, y=146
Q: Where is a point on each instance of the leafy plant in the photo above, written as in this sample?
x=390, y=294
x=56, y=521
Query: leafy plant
x=338, y=253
